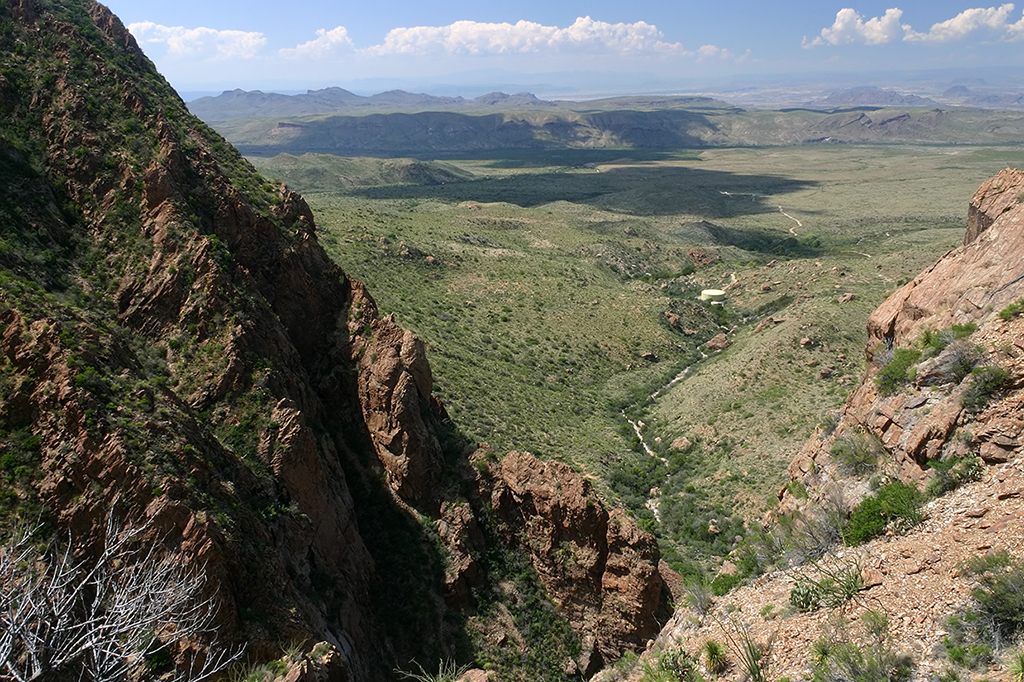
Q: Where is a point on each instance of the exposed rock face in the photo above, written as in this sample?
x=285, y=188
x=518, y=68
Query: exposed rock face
x=176, y=345
x=968, y=285
x=718, y=342
x=995, y=197
x=395, y=387
x=597, y=565
x=984, y=274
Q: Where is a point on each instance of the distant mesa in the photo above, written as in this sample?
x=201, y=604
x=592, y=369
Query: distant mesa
x=873, y=97
x=986, y=98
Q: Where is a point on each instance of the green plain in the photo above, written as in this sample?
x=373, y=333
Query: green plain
x=556, y=290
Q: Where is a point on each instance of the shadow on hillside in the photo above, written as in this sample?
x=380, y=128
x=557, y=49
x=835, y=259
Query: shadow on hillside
x=442, y=133
x=765, y=242
x=642, y=191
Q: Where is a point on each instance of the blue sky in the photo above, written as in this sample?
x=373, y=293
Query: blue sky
x=223, y=44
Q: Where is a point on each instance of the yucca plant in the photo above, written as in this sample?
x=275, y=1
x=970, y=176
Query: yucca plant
x=1016, y=665
x=447, y=671
x=714, y=657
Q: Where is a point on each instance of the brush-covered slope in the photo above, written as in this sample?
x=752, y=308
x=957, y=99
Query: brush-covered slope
x=897, y=550
x=178, y=351
x=177, y=347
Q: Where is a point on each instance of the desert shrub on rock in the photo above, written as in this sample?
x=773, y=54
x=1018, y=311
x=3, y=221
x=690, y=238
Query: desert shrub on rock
x=896, y=506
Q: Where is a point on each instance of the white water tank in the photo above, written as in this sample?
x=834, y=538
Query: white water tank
x=713, y=295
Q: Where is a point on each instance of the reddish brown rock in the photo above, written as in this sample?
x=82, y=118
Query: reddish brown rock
x=461, y=535
x=477, y=675
x=395, y=385
x=995, y=197
x=598, y=566
x=1013, y=487
x=986, y=273
x=938, y=425
x=718, y=342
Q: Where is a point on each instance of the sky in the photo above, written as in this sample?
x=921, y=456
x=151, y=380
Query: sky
x=215, y=45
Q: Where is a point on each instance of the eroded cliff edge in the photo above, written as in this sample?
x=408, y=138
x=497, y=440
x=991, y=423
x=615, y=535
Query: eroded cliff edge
x=927, y=425
x=178, y=348
x=924, y=418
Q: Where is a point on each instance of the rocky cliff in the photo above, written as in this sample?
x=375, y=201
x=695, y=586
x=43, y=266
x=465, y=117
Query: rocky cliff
x=936, y=425
x=967, y=288
x=178, y=350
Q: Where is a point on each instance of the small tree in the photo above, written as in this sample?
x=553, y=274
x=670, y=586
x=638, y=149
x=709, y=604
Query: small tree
x=100, y=619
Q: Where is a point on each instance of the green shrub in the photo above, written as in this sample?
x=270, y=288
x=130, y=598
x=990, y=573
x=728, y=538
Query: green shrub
x=985, y=381
x=987, y=563
x=1000, y=595
x=898, y=372
x=1013, y=310
x=969, y=640
x=1016, y=665
x=934, y=342
x=842, y=658
x=951, y=474
x=625, y=664
x=447, y=671
x=895, y=507
x=962, y=358
x=699, y=597
x=834, y=587
x=753, y=659
x=723, y=583
x=858, y=454
x=804, y=596
x=673, y=665
x=999, y=614
x=828, y=424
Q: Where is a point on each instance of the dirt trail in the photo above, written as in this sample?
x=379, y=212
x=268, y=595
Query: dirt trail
x=753, y=197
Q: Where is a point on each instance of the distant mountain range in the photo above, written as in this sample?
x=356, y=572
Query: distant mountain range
x=256, y=104
x=872, y=97
x=983, y=98
x=397, y=123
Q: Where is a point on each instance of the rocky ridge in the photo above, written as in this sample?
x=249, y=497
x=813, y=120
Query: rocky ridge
x=968, y=285
x=915, y=579
x=178, y=349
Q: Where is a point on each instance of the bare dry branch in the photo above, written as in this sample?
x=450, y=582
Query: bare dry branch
x=99, y=620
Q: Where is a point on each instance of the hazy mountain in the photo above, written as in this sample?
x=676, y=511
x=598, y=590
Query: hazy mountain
x=872, y=97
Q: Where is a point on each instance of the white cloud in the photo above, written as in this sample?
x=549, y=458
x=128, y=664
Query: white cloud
x=325, y=44
x=850, y=28
x=991, y=23
x=712, y=51
x=585, y=35
x=202, y=43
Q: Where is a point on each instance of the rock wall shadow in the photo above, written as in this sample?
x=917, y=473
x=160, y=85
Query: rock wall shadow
x=635, y=190
x=765, y=242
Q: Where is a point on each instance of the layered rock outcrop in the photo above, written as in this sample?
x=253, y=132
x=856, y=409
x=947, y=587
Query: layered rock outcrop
x=983, y=275
x=927, y=420
x=599, y=567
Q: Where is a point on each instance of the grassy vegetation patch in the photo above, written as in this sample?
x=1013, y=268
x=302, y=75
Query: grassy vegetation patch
x=895, y=506
x=897, y=371
x=858, y=454
x=985, y=382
